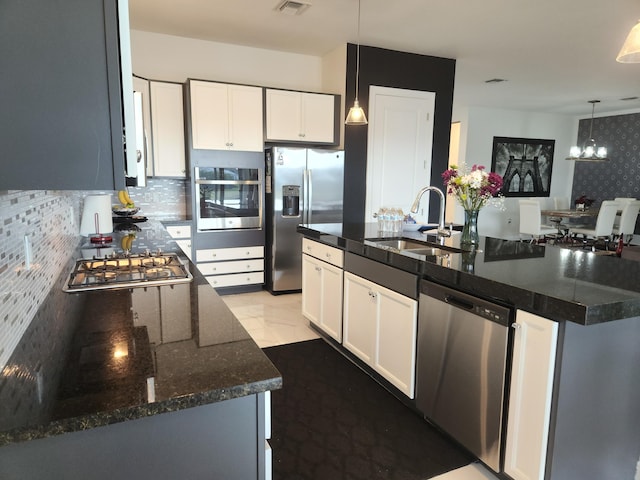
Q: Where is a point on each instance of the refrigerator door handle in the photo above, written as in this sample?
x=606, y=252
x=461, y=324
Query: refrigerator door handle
x=309, y=195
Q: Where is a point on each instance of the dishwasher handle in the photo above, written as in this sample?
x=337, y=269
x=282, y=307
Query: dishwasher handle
x=458, y=302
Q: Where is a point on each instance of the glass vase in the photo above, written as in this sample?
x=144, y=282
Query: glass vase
x=470, y=235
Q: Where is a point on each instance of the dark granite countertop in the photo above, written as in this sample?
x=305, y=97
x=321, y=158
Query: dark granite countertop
x=96, y=358
x=562, y=284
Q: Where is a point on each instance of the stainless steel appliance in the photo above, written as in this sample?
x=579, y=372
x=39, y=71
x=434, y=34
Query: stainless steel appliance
x=126, y=271
x=302, y=186
x=461, y=369
x=228, y=197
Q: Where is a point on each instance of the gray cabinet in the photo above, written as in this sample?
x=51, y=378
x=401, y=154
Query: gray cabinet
x=61, y=125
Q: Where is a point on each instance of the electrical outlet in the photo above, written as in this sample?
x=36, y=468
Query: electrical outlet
x=27, y=252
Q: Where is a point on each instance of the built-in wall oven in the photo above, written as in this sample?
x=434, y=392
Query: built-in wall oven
x=228, y=197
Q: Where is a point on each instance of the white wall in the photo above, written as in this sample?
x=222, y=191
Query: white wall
x=478, y=127
x=166, y=57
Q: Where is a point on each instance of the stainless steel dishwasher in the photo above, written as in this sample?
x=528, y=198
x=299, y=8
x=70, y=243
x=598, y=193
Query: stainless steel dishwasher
x=461, y=368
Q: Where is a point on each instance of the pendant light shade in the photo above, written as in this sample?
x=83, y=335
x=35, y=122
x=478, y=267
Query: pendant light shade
x=590, y=151
x=630, y=51
x=356, y=114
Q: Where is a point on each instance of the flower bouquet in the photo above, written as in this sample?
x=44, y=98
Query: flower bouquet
x=473, y=189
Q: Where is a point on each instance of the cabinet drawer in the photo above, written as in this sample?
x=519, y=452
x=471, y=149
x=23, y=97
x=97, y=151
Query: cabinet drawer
x=235, y=279
x=234, y=253
x=323, y=252
x=179, y=231
x=219, y=268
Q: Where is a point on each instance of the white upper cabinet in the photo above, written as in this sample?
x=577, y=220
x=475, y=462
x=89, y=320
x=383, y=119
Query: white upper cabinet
x=300, y=117
x=168, y=129
x=226, y=117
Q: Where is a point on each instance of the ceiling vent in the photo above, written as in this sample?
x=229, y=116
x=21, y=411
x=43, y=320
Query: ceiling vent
x=290, y=7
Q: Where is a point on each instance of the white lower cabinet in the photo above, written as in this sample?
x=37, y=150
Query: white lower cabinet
x=322, y=295
x=182, y=235
x=380, y=328
x=230, y=267
x=534, y=355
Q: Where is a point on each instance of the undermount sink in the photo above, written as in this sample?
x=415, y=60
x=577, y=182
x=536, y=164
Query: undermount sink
x=412, y=247
x=400, y=244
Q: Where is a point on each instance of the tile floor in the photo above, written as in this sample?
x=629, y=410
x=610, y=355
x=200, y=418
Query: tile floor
x=277, y=320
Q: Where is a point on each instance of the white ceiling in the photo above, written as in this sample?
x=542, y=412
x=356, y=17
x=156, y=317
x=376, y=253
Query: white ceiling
x=556, y=54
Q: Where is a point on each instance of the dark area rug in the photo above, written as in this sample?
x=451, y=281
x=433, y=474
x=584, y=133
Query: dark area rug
x=331, y=421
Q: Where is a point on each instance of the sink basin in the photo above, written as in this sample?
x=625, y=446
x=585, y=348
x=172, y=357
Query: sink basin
x=399, y=244
x=412, y=247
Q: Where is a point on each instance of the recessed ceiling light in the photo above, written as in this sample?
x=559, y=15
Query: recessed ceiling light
x=495, y=80
x=293, y=7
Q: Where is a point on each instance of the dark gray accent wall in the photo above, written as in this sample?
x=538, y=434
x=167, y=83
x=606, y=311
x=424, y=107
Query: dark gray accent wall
x=389, y=68
x=620, y=177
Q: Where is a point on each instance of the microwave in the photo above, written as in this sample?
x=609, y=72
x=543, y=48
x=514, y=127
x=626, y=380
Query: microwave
x=228, y=197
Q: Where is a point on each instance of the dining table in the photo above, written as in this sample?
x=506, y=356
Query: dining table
x=571, y=213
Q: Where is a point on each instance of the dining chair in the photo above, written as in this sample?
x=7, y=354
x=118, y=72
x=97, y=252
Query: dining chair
x=627, y=223
x=603, y=228
x=622, y=201
x=531, y=223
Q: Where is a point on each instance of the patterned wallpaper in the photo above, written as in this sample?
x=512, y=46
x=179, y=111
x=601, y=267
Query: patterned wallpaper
x=620, y=177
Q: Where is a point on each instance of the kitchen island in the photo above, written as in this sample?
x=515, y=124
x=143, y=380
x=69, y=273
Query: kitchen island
x=155, y=382
x=573, y=355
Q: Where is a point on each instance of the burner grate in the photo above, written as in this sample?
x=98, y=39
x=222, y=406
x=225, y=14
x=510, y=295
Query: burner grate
x=140, y=270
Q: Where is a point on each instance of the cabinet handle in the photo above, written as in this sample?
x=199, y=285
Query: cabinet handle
x=515, y=326
x=372, y=294
x=318, y=269
x=328, y=255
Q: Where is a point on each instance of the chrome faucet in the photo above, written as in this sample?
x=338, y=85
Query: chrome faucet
x=442, y=231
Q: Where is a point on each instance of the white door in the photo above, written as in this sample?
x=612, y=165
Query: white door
x=396, y=339
x=360, y=317
x=534, y=355
x=399, y=148
x=168, y=129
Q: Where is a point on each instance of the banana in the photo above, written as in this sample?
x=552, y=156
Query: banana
x=125, y=199
x=127, y=241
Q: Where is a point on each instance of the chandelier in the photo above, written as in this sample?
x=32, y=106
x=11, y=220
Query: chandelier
x=590, y=151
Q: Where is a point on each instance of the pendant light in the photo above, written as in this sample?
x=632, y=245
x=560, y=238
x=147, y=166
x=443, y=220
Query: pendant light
x=356, y=114
x=630, y=51
x=590, y=152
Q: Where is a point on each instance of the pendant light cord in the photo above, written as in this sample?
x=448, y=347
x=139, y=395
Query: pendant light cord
x=593, y=109
x=358, y=54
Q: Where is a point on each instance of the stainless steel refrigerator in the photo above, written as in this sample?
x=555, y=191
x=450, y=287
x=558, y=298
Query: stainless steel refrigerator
x=303, y=185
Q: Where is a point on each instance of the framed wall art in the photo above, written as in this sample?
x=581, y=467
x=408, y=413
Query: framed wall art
x=525, y=165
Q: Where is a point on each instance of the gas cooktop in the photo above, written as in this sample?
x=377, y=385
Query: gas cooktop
x=127, y=271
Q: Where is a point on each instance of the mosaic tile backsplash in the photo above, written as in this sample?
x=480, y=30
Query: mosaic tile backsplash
x=620, y=176
x=49, y=221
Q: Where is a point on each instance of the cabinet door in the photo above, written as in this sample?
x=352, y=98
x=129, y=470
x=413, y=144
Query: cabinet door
x=284, y=111
x=360, y=314
x=318, y=118
x=143, y=134
x=396, y=339
x=61, y=96
x=168, y=129
x=209, y=115
x=311, y=289
x=245, y=118
x=331, y=316
x=322, y=295
x=534, y=353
